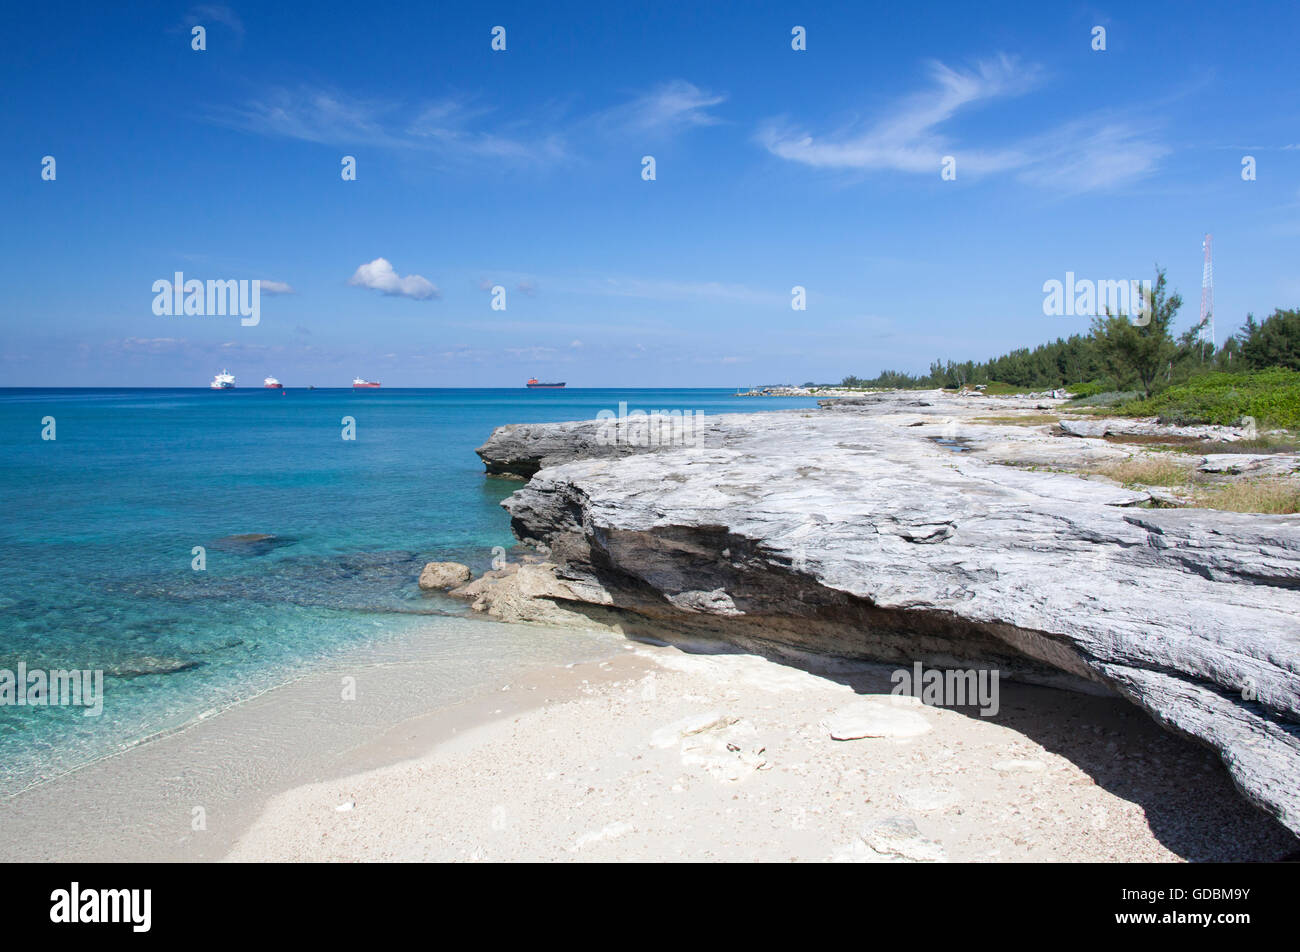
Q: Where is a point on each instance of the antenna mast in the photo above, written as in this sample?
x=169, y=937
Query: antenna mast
x=1207, y=290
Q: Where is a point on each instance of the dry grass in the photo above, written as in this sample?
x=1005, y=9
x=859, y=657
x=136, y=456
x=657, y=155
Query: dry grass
x=1027, y=419
x=1264, y=494
x=1149, y=471
x=1268, y=443
x=1198, y=447
x=1156, y=441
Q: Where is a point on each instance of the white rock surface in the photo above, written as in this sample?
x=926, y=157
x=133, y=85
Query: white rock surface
x=1256, y=464
x=1150, y=426
x=898, y=839
x=873, y=719
x=854, y=533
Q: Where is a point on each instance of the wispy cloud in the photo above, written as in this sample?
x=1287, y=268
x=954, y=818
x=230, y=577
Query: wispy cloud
x=206, y=14
x=314, y=115
x=446, y=127
x=670, y=107
x=534, y=353
x=1084, y=154
x=461, y=128
x=379, y=275
x=457, y=130
x=660, y=290
x=908, y=139
x=276, y=287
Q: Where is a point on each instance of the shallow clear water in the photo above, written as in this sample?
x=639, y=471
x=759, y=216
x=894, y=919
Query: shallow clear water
x=99, y=527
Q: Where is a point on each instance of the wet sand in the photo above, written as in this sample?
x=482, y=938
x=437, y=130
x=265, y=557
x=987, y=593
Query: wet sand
x=187, y=795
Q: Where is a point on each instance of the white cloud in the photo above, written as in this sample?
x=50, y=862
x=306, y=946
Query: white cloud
x=669, y=107
x=380, y=276
x=1081, y=155
x=531, y=353
x=681, y=290
x=276, y=287
x=461, y=129
x=444, y=128
x=907, y=139
x=206, y=14
x=313, y=115
x=1085, y=155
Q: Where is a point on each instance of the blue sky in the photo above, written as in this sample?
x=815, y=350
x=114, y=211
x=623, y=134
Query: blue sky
x=775, y=168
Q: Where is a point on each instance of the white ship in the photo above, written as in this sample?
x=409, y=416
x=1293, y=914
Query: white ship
x=223, y=381
x=272, y=384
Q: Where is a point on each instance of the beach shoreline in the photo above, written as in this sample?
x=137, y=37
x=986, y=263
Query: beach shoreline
x=659, y=752
x=662, y=754
x=188, y=793
x=706, y=723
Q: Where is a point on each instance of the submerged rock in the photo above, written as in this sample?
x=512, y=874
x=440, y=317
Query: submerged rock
x=851, y=533
x=144, y=666
x=250, y=543
x=444, y=575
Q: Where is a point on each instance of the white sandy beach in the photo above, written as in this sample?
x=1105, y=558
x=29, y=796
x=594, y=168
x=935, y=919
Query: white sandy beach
x=661, y=755
x=653, y=753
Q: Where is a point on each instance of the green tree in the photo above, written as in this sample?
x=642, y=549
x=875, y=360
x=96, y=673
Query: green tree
x=1140, y=347
x=1274, y=343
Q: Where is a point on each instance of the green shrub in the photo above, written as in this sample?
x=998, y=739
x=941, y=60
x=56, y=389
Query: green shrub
x=1081, y=391
x=1107, y=398
x=996, y=388
x=1272, y=397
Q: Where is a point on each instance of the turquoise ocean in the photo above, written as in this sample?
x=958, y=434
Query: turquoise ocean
x=100, y=526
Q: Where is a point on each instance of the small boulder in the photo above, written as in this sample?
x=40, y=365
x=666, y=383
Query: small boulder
x=898, y=839
x=444, y=575
x=874, y=719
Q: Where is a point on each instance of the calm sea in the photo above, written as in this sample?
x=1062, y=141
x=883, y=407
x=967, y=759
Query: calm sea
x=100, y=526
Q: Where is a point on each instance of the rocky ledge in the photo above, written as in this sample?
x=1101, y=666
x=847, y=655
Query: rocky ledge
x=902, y=528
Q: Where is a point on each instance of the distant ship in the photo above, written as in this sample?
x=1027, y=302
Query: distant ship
x=535, y=384
x=223, y=381
x=358, y=383
x=272, y=384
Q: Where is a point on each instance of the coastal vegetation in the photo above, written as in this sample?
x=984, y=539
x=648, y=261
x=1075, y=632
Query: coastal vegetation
x=1264, y=494
x=1267, y=396
x=1136, y=366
